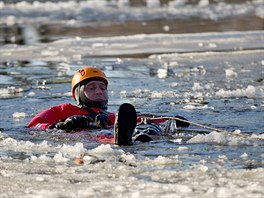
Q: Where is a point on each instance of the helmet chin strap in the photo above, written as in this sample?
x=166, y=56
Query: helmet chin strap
x=84, y=102
x=77, y=95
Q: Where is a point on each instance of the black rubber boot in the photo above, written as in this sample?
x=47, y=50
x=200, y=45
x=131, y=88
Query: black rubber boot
x=125, y=123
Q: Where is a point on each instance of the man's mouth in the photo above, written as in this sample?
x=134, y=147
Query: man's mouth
x=99, y=99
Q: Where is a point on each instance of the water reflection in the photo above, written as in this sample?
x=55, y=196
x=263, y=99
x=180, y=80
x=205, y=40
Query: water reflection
x=17, y=34
x=135, y=3
x=30, y=34
x=18, y=76
x=12, y=34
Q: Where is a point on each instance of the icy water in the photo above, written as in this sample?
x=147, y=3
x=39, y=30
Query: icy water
x=203, y=60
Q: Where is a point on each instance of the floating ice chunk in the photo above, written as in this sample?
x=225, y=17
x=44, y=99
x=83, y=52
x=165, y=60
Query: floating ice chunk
x=211, y=137
x=10, y=91
x=183, y=148
x=119, y=188
x=198, y=70
x=128, y=159
x=33, y=158
x=236, y=132
x=88, y=159
x=99, y=45
x=123, y=3
x=203, y=3
x=166, y=28
x=40, y=179
x=156, y=95
x=177, y=140
x=202, y=168
x=105, y=149
x=196, y=86
x=201, y=69
x=174, y=84
x=192, y=107
x=18, y=115
x=244, y=156
x=212, y=45
x=49, y=53
x=141, y=93
x=259, y=137
x=200, y=44
x=10, y=20
x=160, y=160
x=123, y=93
x=189, y=107
x=153, y=3
x=173, y=64
x=42, y=158
x=222, y=157
x=177, y=3
x=72, y=150
x=60, y=158
x=259, y=11
x=223, y=93
x=230, y=73
x=77, y=56
x=31, y=94
x=162, y=73
x=44, y=144
x=12, y=143
x=168, y=94
x=250, y=92
x=203, y=162
x=220, y=138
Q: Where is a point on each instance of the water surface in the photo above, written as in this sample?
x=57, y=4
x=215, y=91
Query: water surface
x=199, y=59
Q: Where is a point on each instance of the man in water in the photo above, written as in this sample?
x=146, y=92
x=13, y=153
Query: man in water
x=89, y=90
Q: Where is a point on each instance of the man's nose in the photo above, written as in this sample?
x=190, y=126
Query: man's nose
x=98, y=90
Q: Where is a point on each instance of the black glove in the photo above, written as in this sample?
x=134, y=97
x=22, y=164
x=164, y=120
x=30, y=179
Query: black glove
x=102, y=118
x=75, y=122
x=180, y=123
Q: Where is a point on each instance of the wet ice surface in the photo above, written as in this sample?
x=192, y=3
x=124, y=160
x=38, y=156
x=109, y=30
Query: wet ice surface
x=215, y=79
x=75, y=13
x=77, y=48
x=155, y=169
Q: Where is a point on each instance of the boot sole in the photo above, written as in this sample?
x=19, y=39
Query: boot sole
x=126, y=121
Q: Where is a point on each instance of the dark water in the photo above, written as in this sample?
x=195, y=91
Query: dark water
x=26, y=32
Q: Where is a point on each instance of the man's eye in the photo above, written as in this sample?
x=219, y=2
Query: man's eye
x=90, y=87
x=103, y=87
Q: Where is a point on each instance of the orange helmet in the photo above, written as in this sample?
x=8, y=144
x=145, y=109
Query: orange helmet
x=86, y=73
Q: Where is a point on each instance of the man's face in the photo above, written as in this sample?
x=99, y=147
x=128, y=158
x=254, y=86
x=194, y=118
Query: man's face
x=96, y=91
